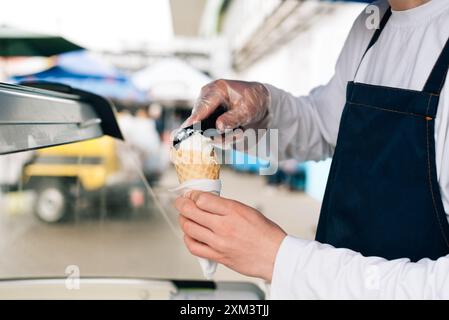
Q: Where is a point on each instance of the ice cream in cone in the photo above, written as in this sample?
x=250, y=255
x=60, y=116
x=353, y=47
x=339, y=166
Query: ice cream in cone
x=195, y=158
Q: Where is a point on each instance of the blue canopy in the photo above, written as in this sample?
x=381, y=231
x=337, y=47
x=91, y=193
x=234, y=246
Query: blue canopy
x=79, y=70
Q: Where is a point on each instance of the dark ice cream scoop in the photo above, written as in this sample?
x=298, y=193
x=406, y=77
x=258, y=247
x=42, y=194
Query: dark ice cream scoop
x=201, y=127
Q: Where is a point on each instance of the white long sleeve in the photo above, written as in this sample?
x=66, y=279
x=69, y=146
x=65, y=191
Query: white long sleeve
x=311, y=270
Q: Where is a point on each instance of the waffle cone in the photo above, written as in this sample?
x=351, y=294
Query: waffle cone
x=192, y=165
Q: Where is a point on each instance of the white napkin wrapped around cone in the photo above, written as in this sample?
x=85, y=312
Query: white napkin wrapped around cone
x=207, y=266
x=197, y=169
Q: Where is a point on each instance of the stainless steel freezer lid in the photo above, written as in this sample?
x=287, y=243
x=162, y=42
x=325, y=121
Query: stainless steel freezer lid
x=41, y=114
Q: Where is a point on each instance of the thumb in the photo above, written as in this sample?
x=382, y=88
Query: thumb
x=204, y=107
x=230, y=120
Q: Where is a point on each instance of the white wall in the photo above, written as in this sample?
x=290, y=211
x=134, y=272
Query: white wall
x=243, y=17
x=306, y=62
x=309, y=59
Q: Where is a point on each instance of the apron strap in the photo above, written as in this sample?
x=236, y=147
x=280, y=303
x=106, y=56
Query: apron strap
x=437, y=77
x=375, y=37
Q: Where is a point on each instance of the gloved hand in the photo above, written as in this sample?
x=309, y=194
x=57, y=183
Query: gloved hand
x=247, y=103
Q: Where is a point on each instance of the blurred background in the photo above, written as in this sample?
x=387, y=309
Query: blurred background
x=105, y=205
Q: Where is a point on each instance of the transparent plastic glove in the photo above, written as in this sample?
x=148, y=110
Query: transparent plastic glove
x=247, y=103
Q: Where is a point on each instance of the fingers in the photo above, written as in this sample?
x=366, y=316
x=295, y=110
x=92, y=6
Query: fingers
x=246, y=101
x=200, y=249
x=210, y=202
x=189, y=209
x=212, y=96
x=196, y=231
x=231, y=119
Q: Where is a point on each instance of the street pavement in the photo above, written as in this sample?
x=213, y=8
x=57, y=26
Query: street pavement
x=137, y=244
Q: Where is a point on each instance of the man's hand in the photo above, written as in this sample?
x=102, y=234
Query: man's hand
x=229, y=233
x=247, y=103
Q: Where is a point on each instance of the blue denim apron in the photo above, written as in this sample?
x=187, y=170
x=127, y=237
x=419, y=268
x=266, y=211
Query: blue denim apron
x=382, y=196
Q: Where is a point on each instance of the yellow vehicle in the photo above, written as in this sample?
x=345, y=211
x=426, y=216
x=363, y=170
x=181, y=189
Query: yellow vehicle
x=89, y=161
x=59, y=174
